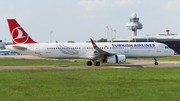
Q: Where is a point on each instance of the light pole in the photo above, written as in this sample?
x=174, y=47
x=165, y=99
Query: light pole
x=115, y=34
x=51, y=37
x=107, y=32
x=111, y=34
x=135, y=33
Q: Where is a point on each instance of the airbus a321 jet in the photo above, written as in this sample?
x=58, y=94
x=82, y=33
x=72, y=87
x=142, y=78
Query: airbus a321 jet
x=95, y=52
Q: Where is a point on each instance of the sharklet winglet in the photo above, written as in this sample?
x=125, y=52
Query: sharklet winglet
x=94, y=45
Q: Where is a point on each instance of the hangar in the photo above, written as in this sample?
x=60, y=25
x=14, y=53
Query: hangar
x=1, y=45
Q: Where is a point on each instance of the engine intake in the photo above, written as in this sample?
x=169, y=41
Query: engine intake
x=116, y=59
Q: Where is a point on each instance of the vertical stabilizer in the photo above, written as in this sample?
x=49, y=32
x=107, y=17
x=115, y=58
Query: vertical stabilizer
x=18, y=34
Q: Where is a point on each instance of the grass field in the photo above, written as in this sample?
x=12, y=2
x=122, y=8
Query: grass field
x=132, y=84
x=23, y=62
x=18, y=62
x=135, y=84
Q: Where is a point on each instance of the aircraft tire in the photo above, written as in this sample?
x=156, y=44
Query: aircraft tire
x=97, y=63
x=88, y=63
x=156, y=63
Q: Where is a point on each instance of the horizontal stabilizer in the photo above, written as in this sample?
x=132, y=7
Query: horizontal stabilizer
x=19, y=48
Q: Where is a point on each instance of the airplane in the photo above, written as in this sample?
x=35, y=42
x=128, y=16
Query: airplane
x=105, y=52
x=6, y=52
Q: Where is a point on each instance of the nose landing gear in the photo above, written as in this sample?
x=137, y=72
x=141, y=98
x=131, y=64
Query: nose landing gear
x=156, y=63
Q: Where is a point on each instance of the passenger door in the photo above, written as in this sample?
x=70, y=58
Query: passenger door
x=37, y=50
x=158, y=49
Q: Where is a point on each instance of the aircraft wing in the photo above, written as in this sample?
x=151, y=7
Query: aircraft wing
x=99, y=52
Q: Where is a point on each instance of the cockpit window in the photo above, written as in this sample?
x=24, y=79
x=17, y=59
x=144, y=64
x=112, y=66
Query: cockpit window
x=166, y=47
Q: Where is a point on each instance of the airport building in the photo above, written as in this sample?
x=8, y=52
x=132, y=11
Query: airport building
x=1, y=45
x=172, y=40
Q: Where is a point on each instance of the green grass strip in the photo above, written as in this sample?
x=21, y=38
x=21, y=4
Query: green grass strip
x=21, y=62
x=135, y=84
x=26, y=62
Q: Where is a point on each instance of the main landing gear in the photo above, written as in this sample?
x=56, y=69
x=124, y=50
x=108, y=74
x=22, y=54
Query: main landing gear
x=156, y=63
x=97, y=63
x=89, y=63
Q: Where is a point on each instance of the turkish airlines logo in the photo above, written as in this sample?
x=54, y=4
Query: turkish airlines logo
x=19, y=35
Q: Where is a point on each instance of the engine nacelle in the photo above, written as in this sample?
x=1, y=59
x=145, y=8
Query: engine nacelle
x=116, y=59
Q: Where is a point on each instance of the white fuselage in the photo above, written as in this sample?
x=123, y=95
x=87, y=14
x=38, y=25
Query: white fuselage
x=86, y=50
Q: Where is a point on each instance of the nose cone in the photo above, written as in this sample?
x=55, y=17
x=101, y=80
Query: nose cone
x=171, y=52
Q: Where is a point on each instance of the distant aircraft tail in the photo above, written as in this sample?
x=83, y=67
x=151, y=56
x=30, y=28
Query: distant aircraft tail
x=18, y=34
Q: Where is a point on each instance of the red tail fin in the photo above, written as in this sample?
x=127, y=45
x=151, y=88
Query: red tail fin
x=18, y=34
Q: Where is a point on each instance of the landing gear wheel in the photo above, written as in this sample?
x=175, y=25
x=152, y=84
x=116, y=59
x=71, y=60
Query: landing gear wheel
x=97, y=63
x=156, y=63
x=88, y=63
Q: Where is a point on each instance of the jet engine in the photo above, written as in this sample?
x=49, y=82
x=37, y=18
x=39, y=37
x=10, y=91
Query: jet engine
x=116, y=59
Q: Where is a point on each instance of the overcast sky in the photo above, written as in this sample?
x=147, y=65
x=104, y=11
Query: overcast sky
x=79, y=20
